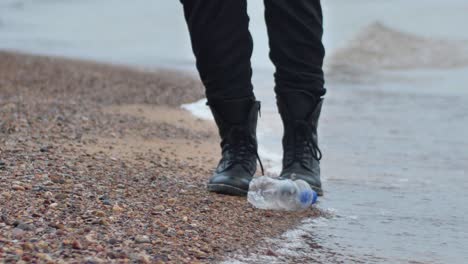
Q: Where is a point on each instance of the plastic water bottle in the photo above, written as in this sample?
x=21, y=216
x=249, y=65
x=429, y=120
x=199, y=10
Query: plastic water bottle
x=276, y=194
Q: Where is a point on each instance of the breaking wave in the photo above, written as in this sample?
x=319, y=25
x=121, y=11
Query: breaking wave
x=379, y=47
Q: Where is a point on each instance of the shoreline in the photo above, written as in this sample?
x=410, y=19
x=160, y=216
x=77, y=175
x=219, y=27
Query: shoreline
x=101, y=164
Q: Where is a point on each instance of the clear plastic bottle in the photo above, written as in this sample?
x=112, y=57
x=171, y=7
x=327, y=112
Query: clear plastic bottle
x=275, y=194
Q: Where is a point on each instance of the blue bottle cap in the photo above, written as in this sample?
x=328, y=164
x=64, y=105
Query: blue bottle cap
x=315, y=197
x=307, y=196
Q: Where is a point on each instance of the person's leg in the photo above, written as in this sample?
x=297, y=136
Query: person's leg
x=295, y=31
x=223, y=46
x=295, y=35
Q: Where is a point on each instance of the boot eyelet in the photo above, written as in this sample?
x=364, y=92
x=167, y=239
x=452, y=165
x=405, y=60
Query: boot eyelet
x=294, y=176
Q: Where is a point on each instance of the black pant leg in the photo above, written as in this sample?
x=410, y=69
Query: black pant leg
x=222, y=45
x=295, y=30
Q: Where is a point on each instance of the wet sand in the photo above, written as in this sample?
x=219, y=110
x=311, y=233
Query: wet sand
x=99, y=164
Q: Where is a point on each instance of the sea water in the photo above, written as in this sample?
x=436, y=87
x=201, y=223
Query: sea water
x=393, y=129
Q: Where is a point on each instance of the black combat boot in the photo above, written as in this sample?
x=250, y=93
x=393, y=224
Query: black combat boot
x=301, y=155
x=237, y=124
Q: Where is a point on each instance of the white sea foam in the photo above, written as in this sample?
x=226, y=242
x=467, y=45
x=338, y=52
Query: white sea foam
x=297, y=243
x=199, y=109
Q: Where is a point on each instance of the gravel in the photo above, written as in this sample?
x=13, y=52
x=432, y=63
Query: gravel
x=80, y=183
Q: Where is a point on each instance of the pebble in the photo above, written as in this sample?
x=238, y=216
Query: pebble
x=44, y=257
x=117, y=209
x=6, y=195
x=171, y=232
x=141, y=239
x=26, y=258
x=76, y=245
x=90, y=238
x=25, y=226
x=100, y=213
x=198, y=253
x=42, y=245
x=61, y=196
x=99, y=248
x=28, y=246
x=57, y=179
x=39, y=176
x=17, y=233
x=17, y=187
x=159, y=207
x=92, y=260
x=104, y=222
x=113, y=241
x=19, y=252
x=59, y=226
x=104, y=197
x=106, y=202
x=270, y=252
x=44, y=149
x=145, y=259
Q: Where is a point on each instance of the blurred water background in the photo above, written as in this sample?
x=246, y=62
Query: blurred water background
x=394, y=125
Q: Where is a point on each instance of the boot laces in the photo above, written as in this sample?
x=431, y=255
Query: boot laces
x=305, y=146
x=241, y=146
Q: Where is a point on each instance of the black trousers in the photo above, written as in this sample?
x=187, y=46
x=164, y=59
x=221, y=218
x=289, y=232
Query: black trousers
x=222, y=45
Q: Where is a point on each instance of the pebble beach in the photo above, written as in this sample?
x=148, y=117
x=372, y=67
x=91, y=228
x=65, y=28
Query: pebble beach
x=99, y=164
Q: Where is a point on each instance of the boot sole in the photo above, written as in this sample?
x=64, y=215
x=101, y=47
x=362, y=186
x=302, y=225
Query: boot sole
x=226, y=189
x=231, y=190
